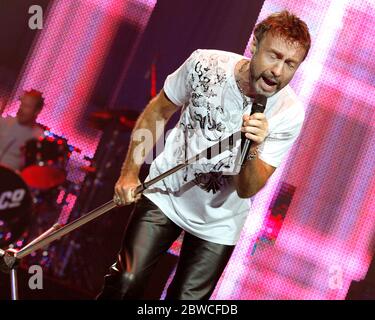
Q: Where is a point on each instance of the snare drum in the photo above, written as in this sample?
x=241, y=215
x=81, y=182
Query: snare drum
x=15, y=206
x=45, y=161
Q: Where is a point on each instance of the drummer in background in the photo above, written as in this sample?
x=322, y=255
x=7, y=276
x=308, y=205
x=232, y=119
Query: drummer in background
x=15, y=132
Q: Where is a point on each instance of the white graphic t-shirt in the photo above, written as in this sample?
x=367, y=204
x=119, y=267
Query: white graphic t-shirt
x=202, y=198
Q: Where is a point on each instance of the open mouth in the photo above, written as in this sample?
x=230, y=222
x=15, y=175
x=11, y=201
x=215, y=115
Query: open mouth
x=268, y=85
x=269, y=82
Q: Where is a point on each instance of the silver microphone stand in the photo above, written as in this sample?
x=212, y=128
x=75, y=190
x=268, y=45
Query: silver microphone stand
x=10, y=258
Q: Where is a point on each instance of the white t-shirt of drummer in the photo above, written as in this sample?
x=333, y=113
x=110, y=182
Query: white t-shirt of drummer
x=13, y=136
x=202, y=198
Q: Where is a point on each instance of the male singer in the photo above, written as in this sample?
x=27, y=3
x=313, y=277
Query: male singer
x=209, y=200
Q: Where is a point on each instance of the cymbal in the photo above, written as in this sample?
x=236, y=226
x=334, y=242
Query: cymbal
x=123, y=119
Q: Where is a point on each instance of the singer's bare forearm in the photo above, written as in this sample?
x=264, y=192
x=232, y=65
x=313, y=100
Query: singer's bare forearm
x=159, y=109
x=252, y=177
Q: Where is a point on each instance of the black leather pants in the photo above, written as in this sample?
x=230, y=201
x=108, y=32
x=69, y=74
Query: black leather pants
x=149, y=234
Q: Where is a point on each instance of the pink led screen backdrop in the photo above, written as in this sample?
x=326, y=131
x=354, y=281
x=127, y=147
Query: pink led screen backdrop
x=67, y=58
x=325, y=240
x=65, y=62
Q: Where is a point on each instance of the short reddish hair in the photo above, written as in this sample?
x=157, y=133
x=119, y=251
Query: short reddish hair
x=286, y=25
x=37, y=95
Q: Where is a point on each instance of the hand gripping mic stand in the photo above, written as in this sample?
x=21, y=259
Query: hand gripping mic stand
x=9, y=258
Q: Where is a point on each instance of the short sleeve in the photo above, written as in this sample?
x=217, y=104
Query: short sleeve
x=285, y=131
x=177, y=85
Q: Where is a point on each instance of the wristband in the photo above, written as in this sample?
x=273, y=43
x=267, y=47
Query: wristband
x=252, y=155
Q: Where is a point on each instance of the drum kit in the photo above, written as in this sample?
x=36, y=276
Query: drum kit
x=28, y=199
x=25, y=195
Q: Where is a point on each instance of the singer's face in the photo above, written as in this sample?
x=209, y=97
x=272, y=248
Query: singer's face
x=274, y=62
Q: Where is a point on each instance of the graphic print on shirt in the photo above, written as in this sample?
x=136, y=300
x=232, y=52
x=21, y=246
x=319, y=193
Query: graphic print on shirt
x=208, y=119
x=215, y=179
x=206, y=82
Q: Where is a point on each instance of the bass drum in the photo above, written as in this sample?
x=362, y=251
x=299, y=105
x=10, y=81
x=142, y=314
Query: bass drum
x=15, y=207
x=45, y=161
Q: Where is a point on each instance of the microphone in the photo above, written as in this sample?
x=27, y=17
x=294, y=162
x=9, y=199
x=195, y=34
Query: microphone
x=259, y=105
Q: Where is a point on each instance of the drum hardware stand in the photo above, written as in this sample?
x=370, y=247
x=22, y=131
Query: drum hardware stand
x=92, y=184
x=101, y=168
x=9, y=259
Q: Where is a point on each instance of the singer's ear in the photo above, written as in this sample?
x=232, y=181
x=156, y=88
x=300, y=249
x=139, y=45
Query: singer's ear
x=254, y=45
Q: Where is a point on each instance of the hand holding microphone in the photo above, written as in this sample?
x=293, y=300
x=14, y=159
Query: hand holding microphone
x=254, y=127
